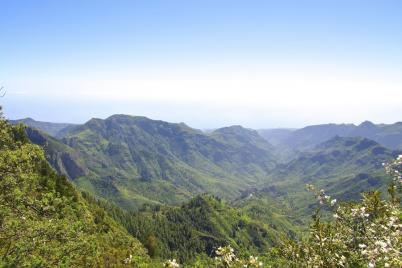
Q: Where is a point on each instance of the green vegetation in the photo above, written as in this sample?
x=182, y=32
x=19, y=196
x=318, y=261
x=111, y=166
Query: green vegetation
x=163, y=171
x=60, y=156
x=276, y=216
x=345, y=167
x=367, y=233
x=197, y=228
x=45, y=222
x=362, y=234
x=134, y=160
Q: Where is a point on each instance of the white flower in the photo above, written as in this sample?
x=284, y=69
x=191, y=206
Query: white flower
x=129, y=259
x=343, y=258
x=381, y=244
x=362, y=246
x=333, y=202
x=353, y=210
x=171, y=264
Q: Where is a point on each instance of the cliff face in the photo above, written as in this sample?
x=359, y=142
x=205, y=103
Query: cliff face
x=62, y=158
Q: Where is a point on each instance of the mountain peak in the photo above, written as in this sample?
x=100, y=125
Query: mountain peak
x=235, y=129
x=126, y=117
x=367, y=124
x=28, y=119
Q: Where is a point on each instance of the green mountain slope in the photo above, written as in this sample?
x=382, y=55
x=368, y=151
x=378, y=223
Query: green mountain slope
x=388, y=135
x=61, y=157
x=197, y=228
x=246, y=150
x=135, y=160
x=262, y=207
x=45, y=222
x=344, y=167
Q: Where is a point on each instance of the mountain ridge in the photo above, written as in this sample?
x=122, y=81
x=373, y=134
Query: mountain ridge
x=343, y=166
x=136, y=159
x=53, y=129
x=389, y=135
x=133, y=160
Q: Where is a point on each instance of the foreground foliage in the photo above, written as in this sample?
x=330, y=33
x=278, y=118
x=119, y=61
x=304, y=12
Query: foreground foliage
x=362, y=234
x=44, y=222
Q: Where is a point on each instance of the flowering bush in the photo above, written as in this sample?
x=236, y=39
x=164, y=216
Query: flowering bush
x=171, y=264
x=365, y=234
x=226, y=258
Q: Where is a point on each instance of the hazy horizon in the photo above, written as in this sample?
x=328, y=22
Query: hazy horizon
x=258, y=64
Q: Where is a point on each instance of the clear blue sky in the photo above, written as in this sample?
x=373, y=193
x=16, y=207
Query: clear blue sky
x=207, y=63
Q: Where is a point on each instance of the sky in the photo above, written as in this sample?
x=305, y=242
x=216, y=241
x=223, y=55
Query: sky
x=208, y=63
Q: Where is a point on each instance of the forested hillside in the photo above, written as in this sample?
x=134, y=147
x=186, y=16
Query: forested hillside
x=135, y=160
x=47, y=222
x=132, y=161
x=61, y=157
x=199, y=227
x=344, y=166
x=44, y=221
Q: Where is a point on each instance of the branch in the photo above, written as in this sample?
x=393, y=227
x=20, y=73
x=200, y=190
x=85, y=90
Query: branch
x=2, y=92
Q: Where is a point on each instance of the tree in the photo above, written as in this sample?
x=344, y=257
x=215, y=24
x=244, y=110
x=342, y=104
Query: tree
x=151, y=245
